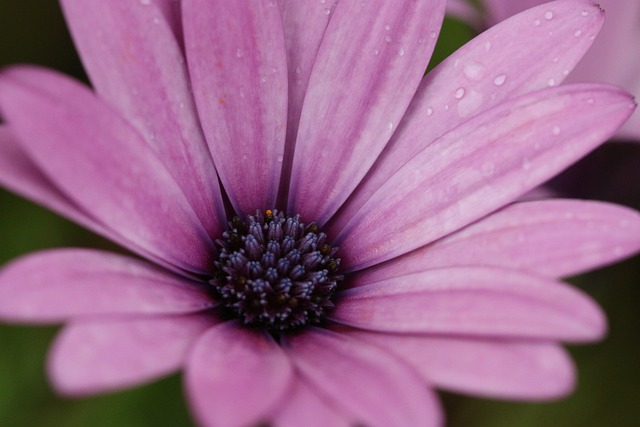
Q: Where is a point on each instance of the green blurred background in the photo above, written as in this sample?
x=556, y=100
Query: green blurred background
x=608, y=393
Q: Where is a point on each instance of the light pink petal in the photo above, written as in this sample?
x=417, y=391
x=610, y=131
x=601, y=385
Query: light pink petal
x=19, y=174
x=102, y=164
x=369, y=65
x=511, y=59
x=100, y=356
x=555, y=238
x=480, y=166
x=235, y=377
x=55, y=285
x=493, y=368
x=304, y=27
x=303, y=407
x=136, y=65
x=374, y=387
x=488, y=302
x=238, y=66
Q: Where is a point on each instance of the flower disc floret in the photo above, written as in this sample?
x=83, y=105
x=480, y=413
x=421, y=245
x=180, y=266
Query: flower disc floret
x=274, y=272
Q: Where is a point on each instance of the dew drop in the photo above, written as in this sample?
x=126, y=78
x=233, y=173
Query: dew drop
x=145, y=2
x=556, y=130
x=327, y=11
x=474, y=70
x=565, y=72
x=376, y=51
x=390, y=126
x=591, y=101
x=584, y=13
x=548, y=15
x=487, y=46
x=446, y=106
x=298, y=70
x=401, y=52
x=551, y=82
x=578, y=33
x=429, y=111
x=536, y=22
x=280, y=158
x=555, y=60
x=239, y=53
x=526, y=164
x=387, y=27
x=500, y=79
x=388, y=38
x=459, y=93
x=432, y=34
x=323, y=1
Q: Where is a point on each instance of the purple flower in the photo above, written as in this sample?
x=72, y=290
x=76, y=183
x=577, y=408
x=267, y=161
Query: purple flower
x=372, y=246
x=614, y=57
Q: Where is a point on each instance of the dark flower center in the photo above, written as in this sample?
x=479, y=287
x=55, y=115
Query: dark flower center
x=274, y=272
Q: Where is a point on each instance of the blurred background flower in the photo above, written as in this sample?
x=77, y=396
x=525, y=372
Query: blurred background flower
x=609, y=374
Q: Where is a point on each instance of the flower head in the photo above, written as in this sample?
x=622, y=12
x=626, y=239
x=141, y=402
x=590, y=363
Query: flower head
x=322, y=230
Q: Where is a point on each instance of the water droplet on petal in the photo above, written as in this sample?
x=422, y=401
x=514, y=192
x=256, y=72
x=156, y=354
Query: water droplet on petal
x=487, y=46
x=401, y=52
x=432, y=34
x=578, y=33
x=555, y=60
x=556, y=130
x=239, y=53
x=145, y=2
x=536, y=22
x=551, y=82
x=376, y=51
x=584, y=13
x=548, y=15
x=526, y=164
x=459, y=93
x=429, y=111
x=387, y=38
x=280, y=158
x=591, y=101
x=327, y=11
x=298, y=70
x=500, y=79
x=387, y=27
x=390, y=126
x=474, y=70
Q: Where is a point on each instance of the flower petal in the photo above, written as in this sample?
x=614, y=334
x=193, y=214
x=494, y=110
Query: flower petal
x=304, y=407
x=55, y=285
x=20, y=175
x=238, y=65
x=480, y=166
x=357, y=94
x=91, y=357
x=365, y=381
x=304, y=27
x=488, y=302
x=136, y=65
x=234, y=377
x=555, y=238
x=508, y=60
x=102, y=164
x=498, y=368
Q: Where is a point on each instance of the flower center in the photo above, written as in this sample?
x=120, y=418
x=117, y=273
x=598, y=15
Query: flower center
x=274, y=272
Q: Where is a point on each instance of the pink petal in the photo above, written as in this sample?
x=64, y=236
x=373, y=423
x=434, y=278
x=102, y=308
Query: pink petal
x=102, y=164
x=304, y=27
x=485, y=163
x=237, y=60
x=497, y=369
x=555, y=238
x=511, y=59
x=20, y=175
x=136, y=65
x=235, y=377
x=303, y=407
x=55, y=285
x=488, y=302
x=357, y=94
x=100, y=356
x=374, y=387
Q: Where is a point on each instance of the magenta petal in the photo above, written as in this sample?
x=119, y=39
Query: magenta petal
x=304, y=27
x=374, y=387
x=483, y=164
x=497, y=369
x=508, y=60
x=238, y=65
x=136, y=65
x=102, y=164
x=235, y=377
x=99, y=356
x=357, y=94
x=303, y=407
x=487, y=302
x=555, y=238
x=55, y=285
x=19, y=174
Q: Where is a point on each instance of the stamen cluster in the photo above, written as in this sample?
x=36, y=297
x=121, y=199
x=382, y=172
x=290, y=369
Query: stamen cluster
x=274, y=272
